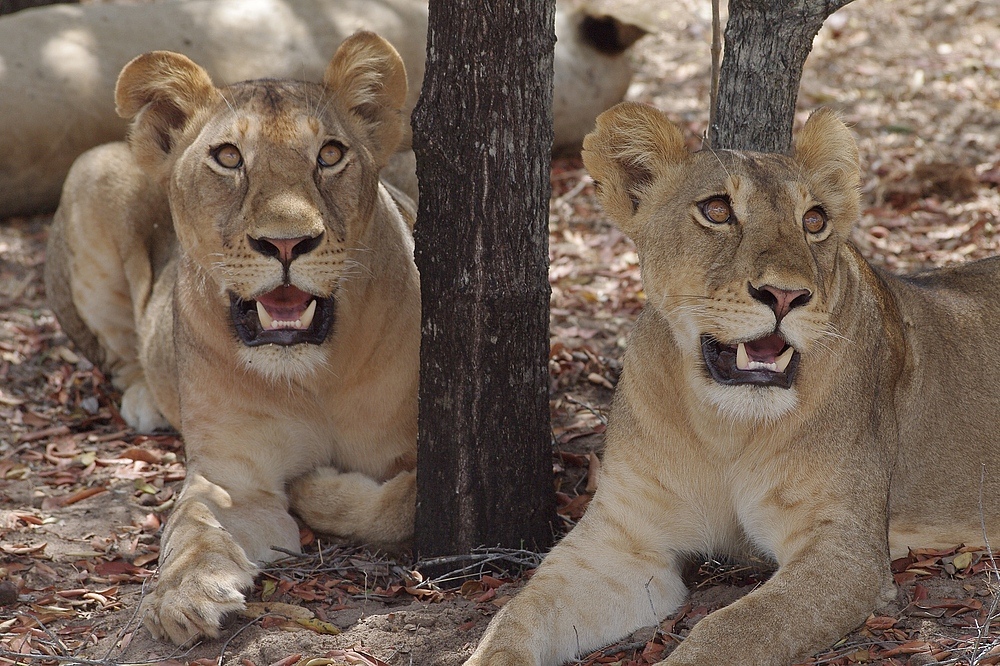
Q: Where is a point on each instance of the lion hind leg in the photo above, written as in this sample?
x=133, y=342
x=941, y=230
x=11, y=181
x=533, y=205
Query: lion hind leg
x=139, y=408
x=98, y=271
x=356, y=506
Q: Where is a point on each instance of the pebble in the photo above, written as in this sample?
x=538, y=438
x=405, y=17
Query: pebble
x=8, y=593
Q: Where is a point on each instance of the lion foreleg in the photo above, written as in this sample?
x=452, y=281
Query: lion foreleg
x=607, y=578
x=822, y=593
x=209, y=554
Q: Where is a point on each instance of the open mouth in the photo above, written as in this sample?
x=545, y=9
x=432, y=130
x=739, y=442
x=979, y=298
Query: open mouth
x=285, y=316
x=767, y=361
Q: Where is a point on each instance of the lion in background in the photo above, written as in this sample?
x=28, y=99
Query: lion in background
x=58, y=67
x=779, y=398
x=242, y=274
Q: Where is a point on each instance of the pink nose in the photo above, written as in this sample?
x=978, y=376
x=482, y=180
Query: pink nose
x=781, y=301
x=286, y=246
x=285, y=249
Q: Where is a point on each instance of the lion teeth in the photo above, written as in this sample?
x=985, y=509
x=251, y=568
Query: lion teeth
x=780, y=364
x=265, y=319
x=782, y=361
x=742, y=358
x=269, y=323
x=307, y=316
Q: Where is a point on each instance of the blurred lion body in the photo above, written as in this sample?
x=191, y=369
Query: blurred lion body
x=62, y=61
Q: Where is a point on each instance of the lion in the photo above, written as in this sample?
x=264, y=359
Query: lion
x=779, y=397
x=58, y=67
x=242, y=274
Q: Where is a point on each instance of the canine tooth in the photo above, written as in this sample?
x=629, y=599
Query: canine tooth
x=307, y=317
x=742, y=358
x=782, y=361
x=265, y=319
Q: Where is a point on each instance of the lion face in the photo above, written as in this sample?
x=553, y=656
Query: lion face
x=738, y=251
x=272, y=187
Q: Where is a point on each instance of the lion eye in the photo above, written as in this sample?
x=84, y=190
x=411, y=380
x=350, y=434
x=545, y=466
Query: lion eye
x=227, y=155
x=814, y=221
x=330, y=154
x=717, y=210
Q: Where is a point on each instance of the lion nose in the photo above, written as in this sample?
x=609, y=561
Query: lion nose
x=781, y=301
x=285, y=249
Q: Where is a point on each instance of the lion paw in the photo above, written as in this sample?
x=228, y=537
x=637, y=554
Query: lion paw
x=202, y=579
x=139, y=409
x=355, y=506
x=197, y=605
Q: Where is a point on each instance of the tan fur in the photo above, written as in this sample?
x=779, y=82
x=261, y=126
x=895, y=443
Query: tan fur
x=891, y=414
x=148, y=244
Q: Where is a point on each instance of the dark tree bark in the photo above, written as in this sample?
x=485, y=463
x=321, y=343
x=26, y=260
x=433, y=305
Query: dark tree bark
x=483, y=138
x=11, y=6
x=767, y=42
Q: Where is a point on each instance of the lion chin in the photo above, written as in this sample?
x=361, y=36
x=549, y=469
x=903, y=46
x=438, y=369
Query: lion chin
x=284, y=363
x=747, y=403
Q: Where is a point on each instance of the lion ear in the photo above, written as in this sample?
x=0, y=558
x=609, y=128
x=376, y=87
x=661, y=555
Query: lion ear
x=632, y=146
x=824, y=147
x=828, y=155
x=369, y=81
x=160, y=91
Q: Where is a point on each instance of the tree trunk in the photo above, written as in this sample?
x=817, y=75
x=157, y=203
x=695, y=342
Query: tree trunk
x=483, y=140
x=767, y=42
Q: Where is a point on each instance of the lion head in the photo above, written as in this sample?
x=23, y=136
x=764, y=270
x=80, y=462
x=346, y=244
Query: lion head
x=273, y=186
x=738, y=251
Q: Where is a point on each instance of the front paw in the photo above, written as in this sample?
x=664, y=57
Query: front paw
x=196, y=608
x=198, y=586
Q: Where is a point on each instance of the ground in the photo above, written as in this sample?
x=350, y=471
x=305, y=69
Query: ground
x=82, y=498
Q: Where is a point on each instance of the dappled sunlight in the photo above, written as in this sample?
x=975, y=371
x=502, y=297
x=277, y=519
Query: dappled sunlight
x=70, y=55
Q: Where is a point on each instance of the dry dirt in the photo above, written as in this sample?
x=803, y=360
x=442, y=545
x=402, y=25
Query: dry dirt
x=82, y=498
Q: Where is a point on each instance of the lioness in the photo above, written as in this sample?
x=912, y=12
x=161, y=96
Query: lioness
x=779, y=397
x=241, y=272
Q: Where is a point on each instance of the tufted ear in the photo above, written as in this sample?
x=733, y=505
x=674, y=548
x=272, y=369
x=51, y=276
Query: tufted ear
x=160, y=91
x=828, y=154
x=369, y=80
x=632, y=147
x=825, y=147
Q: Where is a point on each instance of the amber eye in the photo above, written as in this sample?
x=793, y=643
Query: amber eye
x=330, y=154
x=814, y=221
x=228, y=156
x=717, y=210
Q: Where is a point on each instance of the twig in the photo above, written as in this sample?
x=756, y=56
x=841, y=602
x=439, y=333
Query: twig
x=585, y=180
x=716, y=58
x=479, y=558
x=225, y=646
x=980, y=650
x=17, y=656
x=62, y=646
x=121, y=633
x=593, y=410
